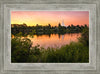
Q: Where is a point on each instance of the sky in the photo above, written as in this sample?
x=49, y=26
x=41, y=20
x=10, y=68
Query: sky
x=31, y=18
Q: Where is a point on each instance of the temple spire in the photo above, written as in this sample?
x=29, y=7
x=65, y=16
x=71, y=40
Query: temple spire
x=63, y=23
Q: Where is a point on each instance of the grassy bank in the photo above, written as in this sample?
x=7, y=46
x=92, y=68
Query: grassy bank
x=23, y=52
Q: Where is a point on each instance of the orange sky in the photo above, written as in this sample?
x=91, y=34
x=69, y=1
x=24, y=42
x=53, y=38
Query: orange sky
x=31, y=18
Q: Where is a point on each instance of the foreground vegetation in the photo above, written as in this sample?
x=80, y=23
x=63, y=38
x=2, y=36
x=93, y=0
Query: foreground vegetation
x=22, y=51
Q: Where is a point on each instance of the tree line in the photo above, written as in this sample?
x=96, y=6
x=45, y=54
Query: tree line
x=48, y=29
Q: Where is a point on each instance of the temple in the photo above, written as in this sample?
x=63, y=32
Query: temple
x=63, y=24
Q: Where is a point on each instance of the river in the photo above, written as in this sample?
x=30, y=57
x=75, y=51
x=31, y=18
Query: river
x=54, y=40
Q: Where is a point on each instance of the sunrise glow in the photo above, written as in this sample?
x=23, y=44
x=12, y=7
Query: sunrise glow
x=31, y=18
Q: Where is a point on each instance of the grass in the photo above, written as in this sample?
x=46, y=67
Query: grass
x=72, y=53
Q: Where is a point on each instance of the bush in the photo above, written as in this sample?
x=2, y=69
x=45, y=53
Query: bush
x=85, y=36
x=21, y=51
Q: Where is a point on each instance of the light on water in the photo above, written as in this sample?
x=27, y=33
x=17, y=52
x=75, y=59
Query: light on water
x=54, y=40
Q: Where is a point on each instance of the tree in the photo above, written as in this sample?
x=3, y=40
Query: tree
x=85, y=36
x=20, y=49
x=59, y=25
x=24, y=25
x=49, y=26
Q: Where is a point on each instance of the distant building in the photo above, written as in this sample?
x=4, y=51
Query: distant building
x=63, y=24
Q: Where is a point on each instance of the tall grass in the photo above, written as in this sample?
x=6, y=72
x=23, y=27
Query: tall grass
x=72, y=53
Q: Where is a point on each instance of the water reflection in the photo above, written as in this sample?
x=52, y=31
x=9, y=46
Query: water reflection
x=62, y=37
x=54, y=40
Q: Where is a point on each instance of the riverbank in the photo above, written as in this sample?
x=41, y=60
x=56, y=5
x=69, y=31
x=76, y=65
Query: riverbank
x=22, y=51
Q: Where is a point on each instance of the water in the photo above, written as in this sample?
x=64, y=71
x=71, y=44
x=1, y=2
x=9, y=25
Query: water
x=54, y=40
